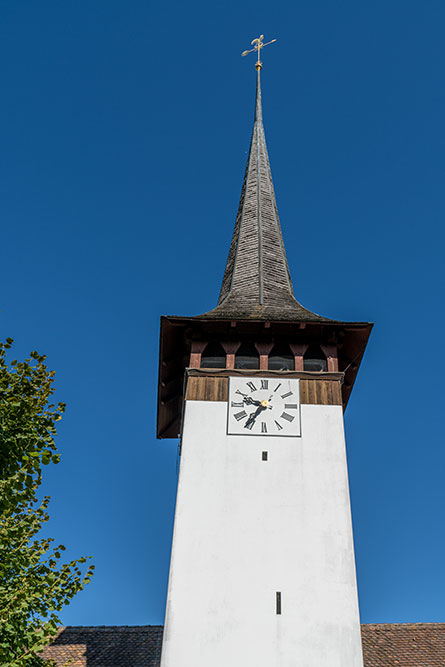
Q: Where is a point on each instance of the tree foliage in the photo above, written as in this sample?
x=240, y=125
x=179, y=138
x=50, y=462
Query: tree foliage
x=34, y=582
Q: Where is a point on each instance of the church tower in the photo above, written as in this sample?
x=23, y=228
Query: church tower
x=262, y=569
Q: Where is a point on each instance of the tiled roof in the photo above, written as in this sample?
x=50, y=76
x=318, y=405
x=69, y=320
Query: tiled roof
x=107, y=646
x=384, y=645
x=256, y=283
x=404, y=644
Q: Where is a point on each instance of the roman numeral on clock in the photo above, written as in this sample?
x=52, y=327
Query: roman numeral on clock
x=238, y=405
x=279, y=427
x=289, y=393
x=263, y=427
x=264, y=384
x=291, y=406
x=240, y=415
x=251, y=386
x=277, y=387
x=289, y=418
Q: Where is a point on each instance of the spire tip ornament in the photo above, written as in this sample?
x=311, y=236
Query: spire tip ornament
x=257, y=46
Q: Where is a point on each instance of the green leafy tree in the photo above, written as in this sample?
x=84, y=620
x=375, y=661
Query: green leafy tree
x=34, y=582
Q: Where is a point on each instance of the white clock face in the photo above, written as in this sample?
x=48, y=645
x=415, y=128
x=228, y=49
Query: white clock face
x=264, y=406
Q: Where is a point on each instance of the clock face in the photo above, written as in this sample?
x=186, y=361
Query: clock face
x=264, y=406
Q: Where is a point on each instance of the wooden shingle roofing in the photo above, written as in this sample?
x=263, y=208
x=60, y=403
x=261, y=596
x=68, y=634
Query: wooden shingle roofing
x=257, y=283
x=384, y=645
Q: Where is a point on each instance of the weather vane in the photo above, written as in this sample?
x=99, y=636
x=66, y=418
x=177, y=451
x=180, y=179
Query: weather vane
x=258, y=45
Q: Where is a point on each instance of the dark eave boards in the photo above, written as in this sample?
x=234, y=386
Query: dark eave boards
x=177, y=334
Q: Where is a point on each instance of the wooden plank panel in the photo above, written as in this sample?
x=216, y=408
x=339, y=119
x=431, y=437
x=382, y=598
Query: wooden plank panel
x=323, y=393
x=313, y=391
x=320, y=392
x=223, y=389
x=329, y=394
x=200, y=390
x=336, y=393
x=207, y=389
x=191, y=382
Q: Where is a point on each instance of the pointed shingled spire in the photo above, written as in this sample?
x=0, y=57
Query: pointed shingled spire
x=256, y=282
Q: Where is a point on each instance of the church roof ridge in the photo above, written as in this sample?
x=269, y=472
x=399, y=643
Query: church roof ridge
x=383, y=644
x=109, y=628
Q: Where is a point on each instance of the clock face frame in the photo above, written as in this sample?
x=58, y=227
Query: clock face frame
x=264, y=406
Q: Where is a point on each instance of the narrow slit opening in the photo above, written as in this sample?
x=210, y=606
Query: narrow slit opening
x=278, y=602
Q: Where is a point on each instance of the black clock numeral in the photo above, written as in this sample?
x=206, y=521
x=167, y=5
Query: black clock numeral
x=291, y=406
x=264, y=384
x=240, y=393
x=251, y=386
x=238, y=405
x=240, y=415
x=289, y=393
x=263, y=427
x=249, y=424
x=277, y=387
x=289, y=418
x=279, y=427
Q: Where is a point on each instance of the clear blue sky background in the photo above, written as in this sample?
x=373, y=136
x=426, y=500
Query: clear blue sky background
x=124, y=134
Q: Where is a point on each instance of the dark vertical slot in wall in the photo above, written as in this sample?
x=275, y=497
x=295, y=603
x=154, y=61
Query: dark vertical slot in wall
x=278, y=602
x=264, y=456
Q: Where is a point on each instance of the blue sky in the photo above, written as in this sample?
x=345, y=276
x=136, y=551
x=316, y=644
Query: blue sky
x=125, y=128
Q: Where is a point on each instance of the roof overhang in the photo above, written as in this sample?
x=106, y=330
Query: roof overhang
x=178, y=333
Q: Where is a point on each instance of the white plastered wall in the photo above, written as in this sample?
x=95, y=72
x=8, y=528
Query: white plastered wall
x=246, y=528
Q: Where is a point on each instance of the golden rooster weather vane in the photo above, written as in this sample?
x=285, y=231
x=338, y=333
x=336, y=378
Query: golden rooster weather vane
x=258, y=45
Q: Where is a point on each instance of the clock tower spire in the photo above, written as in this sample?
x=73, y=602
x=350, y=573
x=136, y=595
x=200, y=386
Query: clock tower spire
x=262, y=568
x=256, y=282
